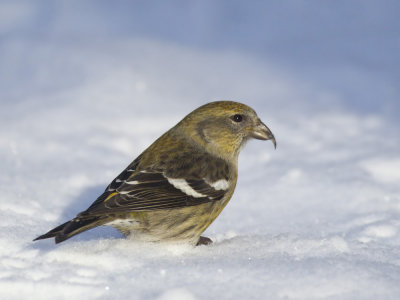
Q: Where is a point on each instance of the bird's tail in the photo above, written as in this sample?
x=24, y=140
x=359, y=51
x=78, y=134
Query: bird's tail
x=71, y=228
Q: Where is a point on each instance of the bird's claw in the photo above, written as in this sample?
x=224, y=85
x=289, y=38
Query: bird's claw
x=204, y=241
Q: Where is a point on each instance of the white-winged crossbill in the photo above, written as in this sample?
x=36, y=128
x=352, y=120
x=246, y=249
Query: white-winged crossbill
x=177, y=187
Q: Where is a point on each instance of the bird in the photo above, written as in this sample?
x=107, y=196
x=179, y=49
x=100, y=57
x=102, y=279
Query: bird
x=179, y=185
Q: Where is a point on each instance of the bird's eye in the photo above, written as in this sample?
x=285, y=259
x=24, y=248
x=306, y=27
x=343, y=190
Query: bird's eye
x=237, y=118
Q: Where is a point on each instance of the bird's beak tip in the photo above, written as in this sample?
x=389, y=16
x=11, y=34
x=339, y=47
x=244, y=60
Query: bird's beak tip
x=262, y=132
x=274, y=141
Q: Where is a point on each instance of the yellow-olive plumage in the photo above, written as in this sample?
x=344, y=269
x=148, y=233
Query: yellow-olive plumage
x=177, y=187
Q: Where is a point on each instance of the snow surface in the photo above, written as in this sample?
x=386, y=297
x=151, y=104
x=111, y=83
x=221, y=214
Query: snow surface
x=85, y=88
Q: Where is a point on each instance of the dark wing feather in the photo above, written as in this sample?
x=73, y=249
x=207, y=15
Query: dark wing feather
x=116, y=183
x=149, y=190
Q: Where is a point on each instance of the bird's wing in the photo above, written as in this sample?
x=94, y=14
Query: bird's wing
x=151, y=189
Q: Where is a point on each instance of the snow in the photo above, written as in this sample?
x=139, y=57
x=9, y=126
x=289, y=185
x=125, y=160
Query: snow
x=85, y=87
x=383, y=169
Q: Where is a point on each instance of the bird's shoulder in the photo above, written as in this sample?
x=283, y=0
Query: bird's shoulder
x=179, y=156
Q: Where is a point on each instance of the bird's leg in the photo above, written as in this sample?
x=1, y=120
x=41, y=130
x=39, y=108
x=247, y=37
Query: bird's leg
x=204, y=241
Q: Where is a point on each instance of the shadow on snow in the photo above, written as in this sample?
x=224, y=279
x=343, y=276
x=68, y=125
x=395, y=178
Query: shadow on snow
x=81, y=203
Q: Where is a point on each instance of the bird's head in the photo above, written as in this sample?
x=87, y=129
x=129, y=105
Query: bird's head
x=223, y=127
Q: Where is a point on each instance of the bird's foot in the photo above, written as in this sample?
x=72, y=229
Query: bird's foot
x=204, y=241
